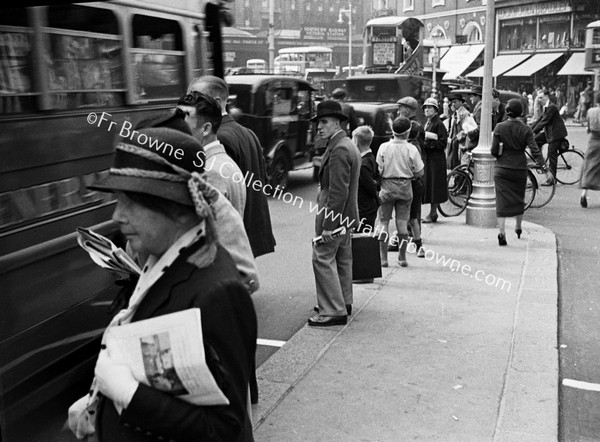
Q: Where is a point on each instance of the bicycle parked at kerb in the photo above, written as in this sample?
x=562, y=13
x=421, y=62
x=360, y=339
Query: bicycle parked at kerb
x=460, y=187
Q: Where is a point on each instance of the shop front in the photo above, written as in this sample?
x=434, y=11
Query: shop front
x=544, y=35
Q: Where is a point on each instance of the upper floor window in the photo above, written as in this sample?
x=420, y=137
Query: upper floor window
x=435, y=3
x=409, y=5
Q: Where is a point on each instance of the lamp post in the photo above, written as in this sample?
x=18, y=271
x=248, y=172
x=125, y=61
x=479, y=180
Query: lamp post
x=481, y=209
x=434, y=62
x=348, y=12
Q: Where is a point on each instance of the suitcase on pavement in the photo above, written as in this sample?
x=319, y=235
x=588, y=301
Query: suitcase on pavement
x=366, y=263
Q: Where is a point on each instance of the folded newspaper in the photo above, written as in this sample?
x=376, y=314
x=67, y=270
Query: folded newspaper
x=334, y=234
x=105, y=253
x=167, y=353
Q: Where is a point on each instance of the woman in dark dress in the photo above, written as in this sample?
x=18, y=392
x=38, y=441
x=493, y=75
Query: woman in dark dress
x=435, y=190
x=510, y=139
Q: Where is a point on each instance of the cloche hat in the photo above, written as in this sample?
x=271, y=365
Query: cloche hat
x=431, y=102
x=514, y=108
x=329, y=108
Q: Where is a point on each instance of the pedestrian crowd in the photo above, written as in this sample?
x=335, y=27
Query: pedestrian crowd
x=195, y=233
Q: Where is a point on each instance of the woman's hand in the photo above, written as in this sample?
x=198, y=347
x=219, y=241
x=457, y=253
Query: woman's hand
x=114, y=379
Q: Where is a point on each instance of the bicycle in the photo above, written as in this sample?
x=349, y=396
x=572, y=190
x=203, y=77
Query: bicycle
x=460, y=187
x=568, y=164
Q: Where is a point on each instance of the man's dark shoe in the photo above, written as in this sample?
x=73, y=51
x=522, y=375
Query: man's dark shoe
x=327, y=321
x=348, y=308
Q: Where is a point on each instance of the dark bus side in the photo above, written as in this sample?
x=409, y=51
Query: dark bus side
x=61, y=65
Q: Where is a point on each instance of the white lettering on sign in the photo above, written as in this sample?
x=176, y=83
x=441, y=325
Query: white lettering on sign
x=384, y=53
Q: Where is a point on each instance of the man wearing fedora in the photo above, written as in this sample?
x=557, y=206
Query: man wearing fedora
x=337, y=207
x=475, y=97
x=457, y=102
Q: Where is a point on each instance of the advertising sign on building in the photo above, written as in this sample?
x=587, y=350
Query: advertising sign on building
x=325, y=32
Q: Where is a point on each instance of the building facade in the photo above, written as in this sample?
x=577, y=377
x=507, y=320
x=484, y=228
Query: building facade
x=296, y=23
x=537, y=43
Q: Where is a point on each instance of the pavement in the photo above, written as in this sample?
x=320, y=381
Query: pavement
x=459, y=346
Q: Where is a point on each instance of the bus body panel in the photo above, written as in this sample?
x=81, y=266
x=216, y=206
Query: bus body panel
x=53, y=144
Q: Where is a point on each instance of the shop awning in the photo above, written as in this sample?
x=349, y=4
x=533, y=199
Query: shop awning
x=575, y=65
x=501, y=64
x=458, y=59
x=534, y=64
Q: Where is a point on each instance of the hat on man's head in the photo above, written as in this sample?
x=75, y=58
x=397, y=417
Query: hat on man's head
x=155, y=161
x=456, y=96
x=339, y=93
x=329, y=108
x=476, y=90
x=431, y=102
x=409, y=102
x=495, y=93
x=173, y=118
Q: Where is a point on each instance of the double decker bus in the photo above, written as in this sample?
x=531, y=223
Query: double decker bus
x=312, y=63
x=592, y=46
x=394, y=45
x=66, y=71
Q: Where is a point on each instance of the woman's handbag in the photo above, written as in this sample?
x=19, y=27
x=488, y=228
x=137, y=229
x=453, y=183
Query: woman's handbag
x=500, y=149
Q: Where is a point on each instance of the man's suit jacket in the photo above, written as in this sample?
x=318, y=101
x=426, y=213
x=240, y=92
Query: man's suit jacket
x=220, y=169
x=551, y=123
x=243, y=146
x=338, y=179
x=229, y=333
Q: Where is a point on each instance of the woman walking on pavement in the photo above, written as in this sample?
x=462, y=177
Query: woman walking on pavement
x=436, y=136
x=510, y=139
x=590, y=174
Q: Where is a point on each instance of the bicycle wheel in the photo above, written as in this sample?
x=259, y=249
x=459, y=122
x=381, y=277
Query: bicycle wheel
x=459, y=191
x=530, y=188
x=543, y=194
x=568, y=166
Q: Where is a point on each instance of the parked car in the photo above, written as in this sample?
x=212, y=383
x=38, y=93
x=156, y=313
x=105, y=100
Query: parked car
x=278, y=109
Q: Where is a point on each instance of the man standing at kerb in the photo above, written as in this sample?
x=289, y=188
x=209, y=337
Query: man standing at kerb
x=338, y=199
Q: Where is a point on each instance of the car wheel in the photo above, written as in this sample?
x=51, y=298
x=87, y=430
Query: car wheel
x=278, y=171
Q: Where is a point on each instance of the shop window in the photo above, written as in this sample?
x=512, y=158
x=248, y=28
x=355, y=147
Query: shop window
x=157, y=58
x=518, y=34
x=580, y=22
x=554, y=31
x=83, y=52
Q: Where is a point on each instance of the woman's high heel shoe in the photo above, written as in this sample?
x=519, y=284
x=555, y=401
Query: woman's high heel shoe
x=583, y=202
x=501, y=239
x=518, y=232
x=430, y=219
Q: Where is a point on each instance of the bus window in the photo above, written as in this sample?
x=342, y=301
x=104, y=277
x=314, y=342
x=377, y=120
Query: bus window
x=157, y=58
x=84, y=57
x=196, y=37
x=16, y=91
